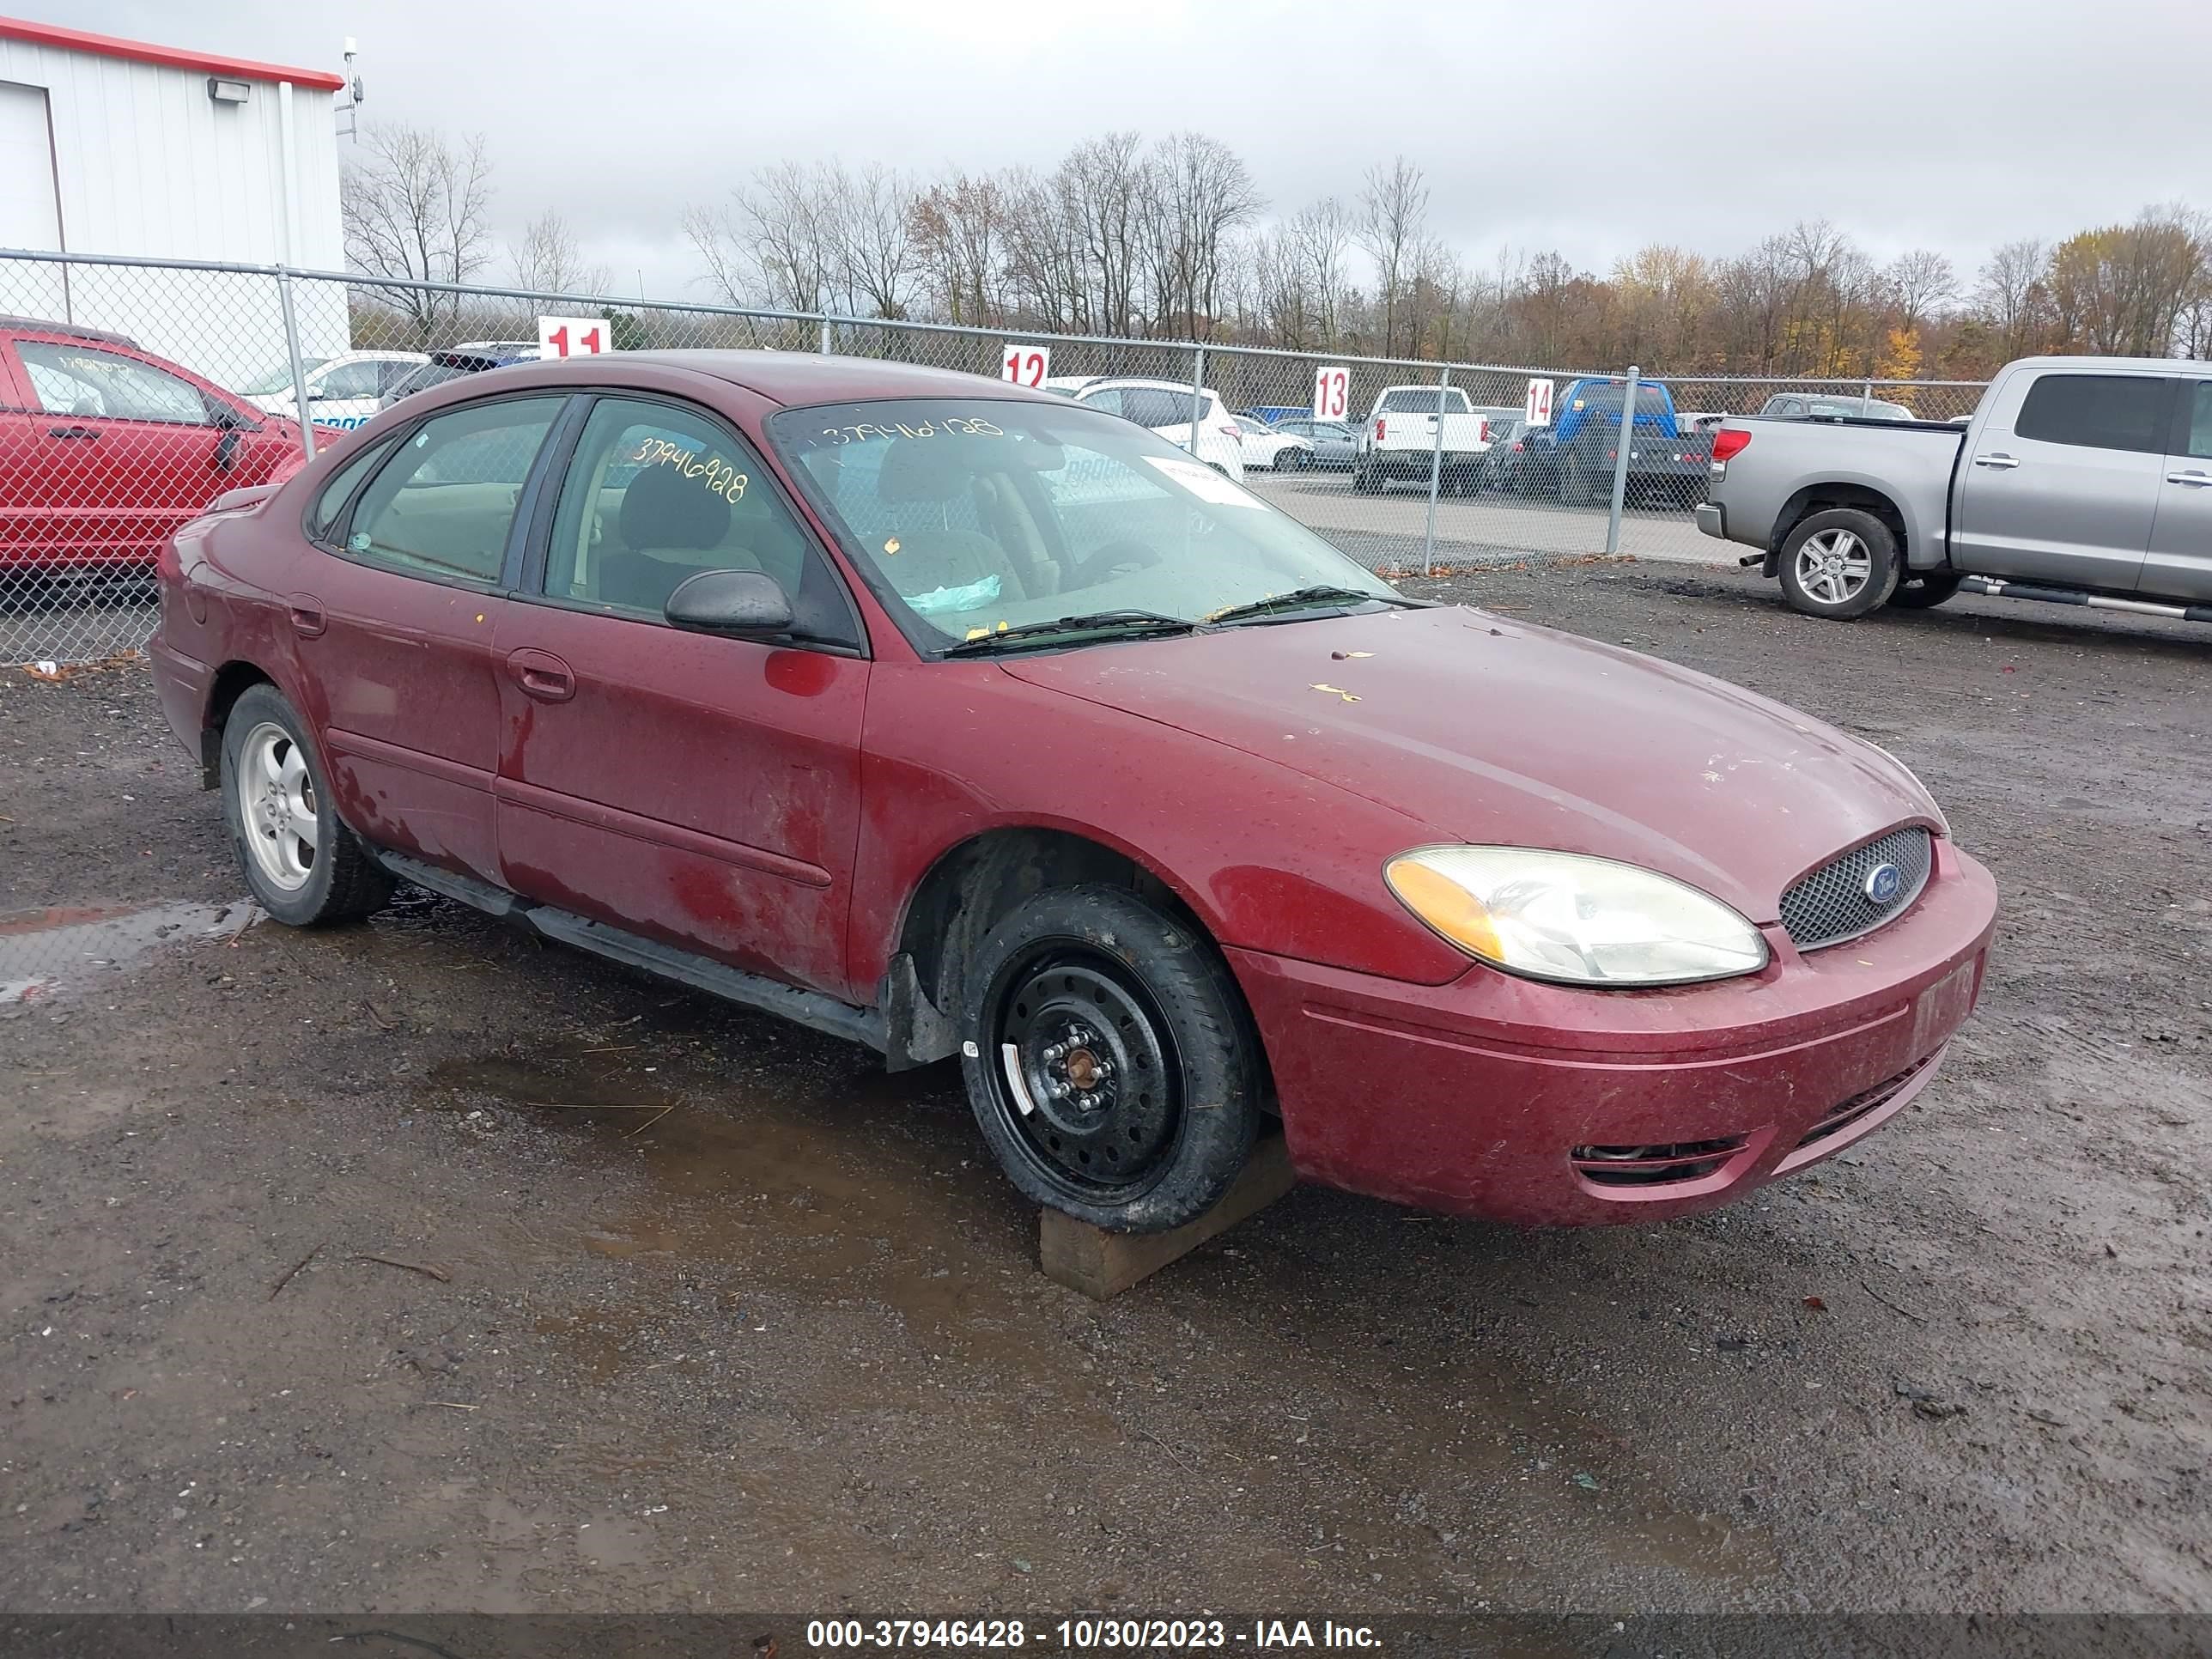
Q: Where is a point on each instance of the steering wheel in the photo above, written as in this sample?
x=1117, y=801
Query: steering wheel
x=1116, y=558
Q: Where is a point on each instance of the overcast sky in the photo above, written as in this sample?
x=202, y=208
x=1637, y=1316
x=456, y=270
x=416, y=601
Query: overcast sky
x=1592, y=126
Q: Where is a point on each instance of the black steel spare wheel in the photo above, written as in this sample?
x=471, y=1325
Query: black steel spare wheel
x=1109, y=1060
x=1087, y=1074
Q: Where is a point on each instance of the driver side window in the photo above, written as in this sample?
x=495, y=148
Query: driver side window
x=658, y=493
x=84, y=381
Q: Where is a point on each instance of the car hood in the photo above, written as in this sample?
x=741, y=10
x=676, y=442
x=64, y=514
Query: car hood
x=1496, y=732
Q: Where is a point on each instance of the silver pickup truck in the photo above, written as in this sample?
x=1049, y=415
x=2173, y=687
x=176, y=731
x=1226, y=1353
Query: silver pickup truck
x=2081, y=480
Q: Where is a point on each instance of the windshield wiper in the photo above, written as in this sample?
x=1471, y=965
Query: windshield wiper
x=1095, y=622
x=1303, y=599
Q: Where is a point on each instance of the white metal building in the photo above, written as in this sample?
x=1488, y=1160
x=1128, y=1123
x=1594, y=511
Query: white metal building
x=114, y=146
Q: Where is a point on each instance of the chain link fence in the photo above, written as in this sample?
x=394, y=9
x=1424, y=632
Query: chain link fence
x=133, y=393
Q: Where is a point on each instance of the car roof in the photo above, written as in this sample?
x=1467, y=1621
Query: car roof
x=790, y=378
x=1146, y=382
x=805, y=377
x=69, y=331
x=2163, y=365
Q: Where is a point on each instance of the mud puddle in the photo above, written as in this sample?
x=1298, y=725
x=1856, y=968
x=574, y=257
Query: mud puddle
x=47, y=950
x=862, y=1191
x=868, y=1186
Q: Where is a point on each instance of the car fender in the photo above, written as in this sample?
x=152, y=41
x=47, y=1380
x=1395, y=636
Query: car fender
x=957, y=750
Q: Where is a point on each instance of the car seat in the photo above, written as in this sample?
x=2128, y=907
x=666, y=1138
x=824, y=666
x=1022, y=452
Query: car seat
x=669, y=527
x=918, y=471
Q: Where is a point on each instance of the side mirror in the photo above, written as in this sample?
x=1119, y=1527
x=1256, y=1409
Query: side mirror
x=744, y=605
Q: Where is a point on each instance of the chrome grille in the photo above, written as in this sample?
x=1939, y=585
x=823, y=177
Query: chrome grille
x=1832, y=904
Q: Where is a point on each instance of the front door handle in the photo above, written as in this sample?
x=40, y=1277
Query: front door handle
x=2200, y=480
x=72, y=432
x=308, y=616
x=2000, y=460
x=541, y=675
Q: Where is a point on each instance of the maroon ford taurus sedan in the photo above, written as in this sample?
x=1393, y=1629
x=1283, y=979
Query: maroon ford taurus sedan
x=961, y=721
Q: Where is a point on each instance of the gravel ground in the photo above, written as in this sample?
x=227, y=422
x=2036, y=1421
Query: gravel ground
x=365, y=1271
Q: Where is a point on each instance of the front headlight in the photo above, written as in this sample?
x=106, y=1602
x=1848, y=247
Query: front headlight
x=1569, y=917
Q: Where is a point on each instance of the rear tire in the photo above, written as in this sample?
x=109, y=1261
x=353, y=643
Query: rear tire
x=1132, y=1019
x=1838, y=564
x=301, y=865
x=1923, y=590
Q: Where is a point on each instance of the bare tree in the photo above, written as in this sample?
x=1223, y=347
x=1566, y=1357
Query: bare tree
x=1319, y=236
x=2012, y=296
x=1101, y=186
x=771, y=242
x=963, y=236
x=1919, y=284
x=1394, y=213
x=870, y=230
x=547, y=259
x=414, y=209
x=1197, y=192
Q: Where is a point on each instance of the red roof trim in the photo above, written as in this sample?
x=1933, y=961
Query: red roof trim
x=109, y=46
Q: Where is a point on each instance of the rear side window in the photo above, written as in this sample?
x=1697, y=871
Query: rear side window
x=323, y=518
x=443, y=505
x=1149, y=406
x=2199, y=433
x=2097, y=411
x=349, y=381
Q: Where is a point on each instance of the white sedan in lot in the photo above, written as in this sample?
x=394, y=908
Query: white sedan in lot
x=1279, y=452
x=342, y=390
x=1164, y=406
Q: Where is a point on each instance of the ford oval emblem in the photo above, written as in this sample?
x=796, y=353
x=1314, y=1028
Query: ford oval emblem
x=1883, y=882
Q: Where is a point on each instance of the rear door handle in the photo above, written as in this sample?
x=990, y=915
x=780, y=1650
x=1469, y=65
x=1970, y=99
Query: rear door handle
x=1999, y=460
x=2200, y=480
x=308, y=616
x=541, y=675
x=72, y=432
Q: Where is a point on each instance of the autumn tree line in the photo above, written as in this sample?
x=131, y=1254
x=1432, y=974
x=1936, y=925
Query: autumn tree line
x=1171, y=238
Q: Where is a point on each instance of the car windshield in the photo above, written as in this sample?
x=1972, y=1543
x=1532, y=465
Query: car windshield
x=1415, y=400
x=965, y=516
x=279, y=379
x=1852, y=407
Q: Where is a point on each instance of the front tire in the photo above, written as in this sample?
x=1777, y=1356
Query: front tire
x=1109, y=1060
x=301, y=865
x=1840, y=564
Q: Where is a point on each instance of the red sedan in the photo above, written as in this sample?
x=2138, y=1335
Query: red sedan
x=960, y=720
x=105, y=448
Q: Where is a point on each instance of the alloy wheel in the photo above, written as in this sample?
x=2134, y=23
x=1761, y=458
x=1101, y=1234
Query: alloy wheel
x=276, y=806
x=1834, y=567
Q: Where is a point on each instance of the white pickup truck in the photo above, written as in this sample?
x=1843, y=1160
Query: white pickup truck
x=1400, y=439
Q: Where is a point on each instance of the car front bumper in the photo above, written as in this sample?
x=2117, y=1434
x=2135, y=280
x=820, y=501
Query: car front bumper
x=1542, y=1104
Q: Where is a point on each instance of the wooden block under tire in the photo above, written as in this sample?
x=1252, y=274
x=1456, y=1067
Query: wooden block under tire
x=1102, y=1264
